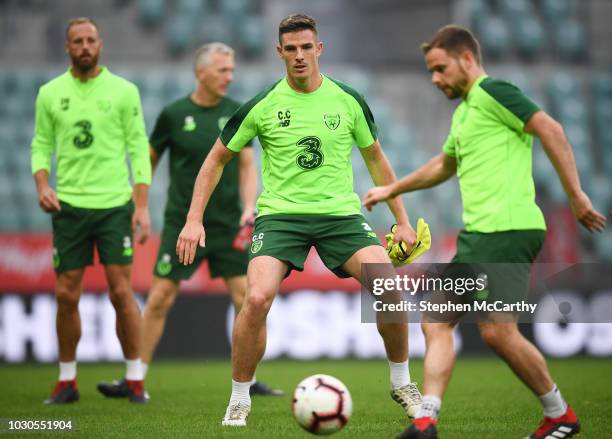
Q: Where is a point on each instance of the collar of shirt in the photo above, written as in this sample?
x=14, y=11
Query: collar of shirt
x=313, y=93
x=476, y=83
x=91, y=81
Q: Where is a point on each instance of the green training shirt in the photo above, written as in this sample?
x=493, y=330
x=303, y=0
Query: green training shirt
x=494, y=156
x=189, y=132
x=306, y=143
x=91, y=125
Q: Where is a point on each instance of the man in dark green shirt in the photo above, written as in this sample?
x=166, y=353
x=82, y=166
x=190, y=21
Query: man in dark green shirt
x=489, y=148
x=187, y=129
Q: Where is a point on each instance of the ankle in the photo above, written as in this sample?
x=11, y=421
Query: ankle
x=67, y=370
x=240, y=392
x=430, y=407
x=399, y=374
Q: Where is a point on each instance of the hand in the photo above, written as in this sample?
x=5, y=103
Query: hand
x=47, y=200
x=405, y=232
x=584, y=212
x=248, y=216
x=141, y=224
x=188, y=240
x=376, y=194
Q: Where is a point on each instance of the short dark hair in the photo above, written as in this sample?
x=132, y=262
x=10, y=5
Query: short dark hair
x=79, y=20
x=455, y=40
x=295, y=23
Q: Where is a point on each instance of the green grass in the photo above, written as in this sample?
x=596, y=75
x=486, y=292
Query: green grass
x=483, y=401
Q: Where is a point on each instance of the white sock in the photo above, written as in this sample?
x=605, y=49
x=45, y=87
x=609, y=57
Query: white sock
x=400, y=375
x=240, y=392
x=145, y=369
x=67, y=371
x=553, y=403
x=430, y=407
x=253, y=380
x=133, y=370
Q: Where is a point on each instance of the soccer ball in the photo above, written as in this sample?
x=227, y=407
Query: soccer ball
x=322, y=404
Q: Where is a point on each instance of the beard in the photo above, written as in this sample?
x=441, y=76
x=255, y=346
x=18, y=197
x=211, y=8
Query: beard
x=84, y=65
x=452, y=93
x=457, y=90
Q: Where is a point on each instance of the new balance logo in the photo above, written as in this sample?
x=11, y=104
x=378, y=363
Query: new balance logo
x=284, y=118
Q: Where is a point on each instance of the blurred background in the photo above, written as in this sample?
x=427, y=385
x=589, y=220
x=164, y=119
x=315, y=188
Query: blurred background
x=557, y=51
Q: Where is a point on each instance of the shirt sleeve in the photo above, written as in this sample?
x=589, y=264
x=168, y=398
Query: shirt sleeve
x=449, y=146
x=365, y=131
x=136, y=140
x=43, y=142
x=509, y=104
x=160, y=137
x=239, y=131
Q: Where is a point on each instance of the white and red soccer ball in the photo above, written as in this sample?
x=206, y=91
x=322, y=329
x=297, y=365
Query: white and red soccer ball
x=322, y=404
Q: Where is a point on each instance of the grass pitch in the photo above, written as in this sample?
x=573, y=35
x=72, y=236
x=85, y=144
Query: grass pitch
x=485, y=400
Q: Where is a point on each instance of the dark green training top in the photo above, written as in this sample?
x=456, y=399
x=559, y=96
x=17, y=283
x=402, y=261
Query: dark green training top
x=189, y=131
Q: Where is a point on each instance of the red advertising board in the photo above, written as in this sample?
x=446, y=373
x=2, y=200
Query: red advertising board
x=26, y=263
x=26, y=266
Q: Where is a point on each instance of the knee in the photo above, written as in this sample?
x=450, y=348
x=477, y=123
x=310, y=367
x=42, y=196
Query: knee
x=257, y=302
x=433, y=331
x=67, y=298
x=238, y=296
x=161, y=300
x=120, y=296
x=68, y=290
x=238, y=302
x=495, y=334
x=392, y=328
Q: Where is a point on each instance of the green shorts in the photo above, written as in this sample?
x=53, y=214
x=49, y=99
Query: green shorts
x=504, y=257
x=289, y=238
x=76, y=230
x=223, y=260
